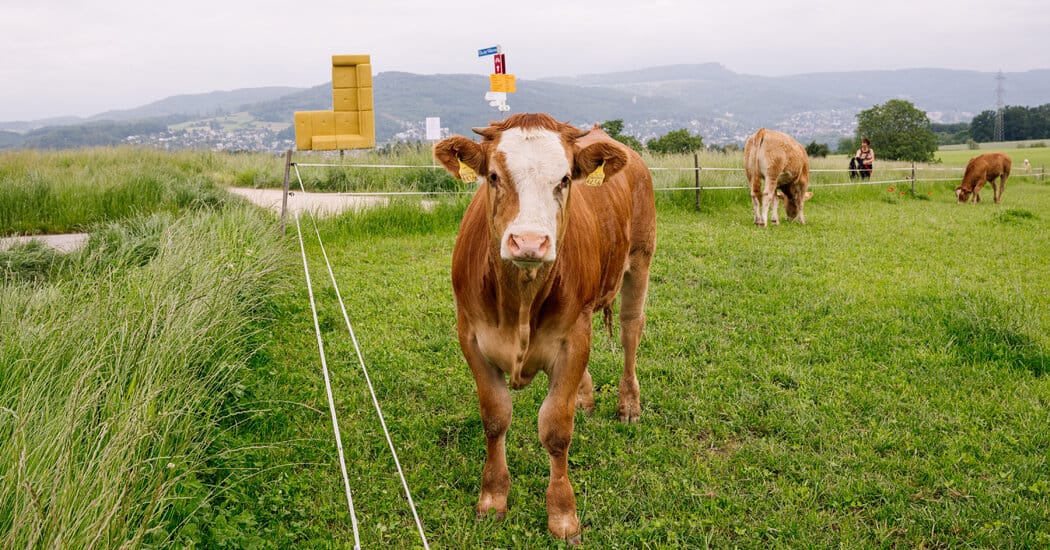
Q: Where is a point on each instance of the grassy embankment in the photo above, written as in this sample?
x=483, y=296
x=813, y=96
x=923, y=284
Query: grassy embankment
x=121, y=365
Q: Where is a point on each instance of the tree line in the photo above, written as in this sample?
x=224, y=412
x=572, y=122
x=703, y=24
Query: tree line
x=1019, y=123
x=900, y=130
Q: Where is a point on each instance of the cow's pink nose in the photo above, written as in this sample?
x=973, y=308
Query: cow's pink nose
x=528, y=246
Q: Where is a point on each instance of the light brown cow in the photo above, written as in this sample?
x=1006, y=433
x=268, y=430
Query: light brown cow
x=984, y=169
x=776, y=162
x=538, y=253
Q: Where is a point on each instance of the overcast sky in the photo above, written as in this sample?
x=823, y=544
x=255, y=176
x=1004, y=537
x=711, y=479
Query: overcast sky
x=81, y=57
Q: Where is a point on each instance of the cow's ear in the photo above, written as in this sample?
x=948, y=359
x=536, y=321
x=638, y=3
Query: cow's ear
x=610, y=156
x=461, y=156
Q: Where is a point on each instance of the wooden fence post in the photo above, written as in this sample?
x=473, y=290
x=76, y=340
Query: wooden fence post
x=284, y=199
x=913, y=178
x=696, y=174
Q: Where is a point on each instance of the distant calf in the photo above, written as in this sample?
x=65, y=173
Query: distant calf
x=776, y=162
x=984, y=169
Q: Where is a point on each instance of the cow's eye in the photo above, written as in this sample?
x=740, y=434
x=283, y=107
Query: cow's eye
x=493, y=178
x=565, y=181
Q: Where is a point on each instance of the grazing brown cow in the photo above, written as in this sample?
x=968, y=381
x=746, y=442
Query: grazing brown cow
x=982, y=169
x=538, y=252
x=782, y=163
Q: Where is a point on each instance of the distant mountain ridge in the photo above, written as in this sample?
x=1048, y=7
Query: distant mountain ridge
x=708, y=99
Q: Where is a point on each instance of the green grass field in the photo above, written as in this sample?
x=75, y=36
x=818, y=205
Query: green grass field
x=1039, y=157
x=876, y=378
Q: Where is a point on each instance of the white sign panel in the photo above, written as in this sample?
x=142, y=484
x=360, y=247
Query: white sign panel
x=433, y=128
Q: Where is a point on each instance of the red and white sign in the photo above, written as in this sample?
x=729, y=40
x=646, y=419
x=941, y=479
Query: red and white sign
x=500, y=61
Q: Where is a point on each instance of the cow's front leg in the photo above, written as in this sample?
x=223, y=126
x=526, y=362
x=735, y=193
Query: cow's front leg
x=496, y=409
x=556, y=425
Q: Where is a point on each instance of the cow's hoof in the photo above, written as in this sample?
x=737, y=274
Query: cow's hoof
x=491, y=513
x=630, y=414
x=567, y=530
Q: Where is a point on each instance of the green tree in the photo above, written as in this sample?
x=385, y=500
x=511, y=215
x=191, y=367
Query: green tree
x=898, y=131
x=676, y=141
x=615, y=130
x=847, y=146
x=815, y=149
x=982, y=128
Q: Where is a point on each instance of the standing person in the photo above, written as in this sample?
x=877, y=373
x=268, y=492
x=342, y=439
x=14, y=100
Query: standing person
x=866, y=158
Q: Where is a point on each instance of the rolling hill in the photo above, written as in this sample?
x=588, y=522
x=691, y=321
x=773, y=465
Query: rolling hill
x=708, y=99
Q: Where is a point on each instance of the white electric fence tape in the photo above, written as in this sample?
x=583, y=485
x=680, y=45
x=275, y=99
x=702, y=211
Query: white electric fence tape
x=328, y=387
x=364, y=370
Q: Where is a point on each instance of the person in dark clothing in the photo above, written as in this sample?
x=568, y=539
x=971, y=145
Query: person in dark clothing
x=865, y=159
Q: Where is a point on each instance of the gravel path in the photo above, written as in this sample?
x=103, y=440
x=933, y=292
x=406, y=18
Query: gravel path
x=62, y=243
x=316, y=203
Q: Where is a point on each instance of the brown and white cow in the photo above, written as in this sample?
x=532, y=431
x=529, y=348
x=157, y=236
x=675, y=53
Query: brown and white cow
x=538, y=253
x=774, y=162
x=984, y=169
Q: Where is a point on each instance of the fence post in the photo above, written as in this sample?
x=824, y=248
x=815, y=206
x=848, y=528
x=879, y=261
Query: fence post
x=696, y=174
x=284, y=199
x=913, y=178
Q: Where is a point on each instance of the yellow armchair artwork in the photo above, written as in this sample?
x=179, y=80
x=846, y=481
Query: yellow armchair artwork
x=351, y=124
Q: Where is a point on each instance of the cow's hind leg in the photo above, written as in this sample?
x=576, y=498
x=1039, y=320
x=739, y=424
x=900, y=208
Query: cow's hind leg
x=768, y=197
x=585, y=393
x=756, y=202
x=999, y=190
x=775, y=214
x=632, y=321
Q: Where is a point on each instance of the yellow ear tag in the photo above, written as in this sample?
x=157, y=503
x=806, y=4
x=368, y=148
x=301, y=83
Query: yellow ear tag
x=467, y=173
x=597, y=177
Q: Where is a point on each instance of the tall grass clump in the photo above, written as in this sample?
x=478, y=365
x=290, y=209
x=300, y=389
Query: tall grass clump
x=56, y=192
x=117, y=368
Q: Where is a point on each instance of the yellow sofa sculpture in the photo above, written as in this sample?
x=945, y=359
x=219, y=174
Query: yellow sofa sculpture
x=352, y=122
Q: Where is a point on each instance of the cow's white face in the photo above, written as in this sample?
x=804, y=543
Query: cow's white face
x=532, y=163
x=527, y=164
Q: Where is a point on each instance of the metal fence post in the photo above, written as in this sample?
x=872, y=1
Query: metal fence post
x=284, y=199
x=696, y=174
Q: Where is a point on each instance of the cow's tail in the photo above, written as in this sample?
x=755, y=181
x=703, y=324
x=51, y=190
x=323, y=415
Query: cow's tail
x=607, y=318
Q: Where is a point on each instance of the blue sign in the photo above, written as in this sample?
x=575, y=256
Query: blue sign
x=488, y=51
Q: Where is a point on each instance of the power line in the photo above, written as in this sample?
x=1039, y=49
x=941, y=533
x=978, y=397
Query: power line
x=1000, y=130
